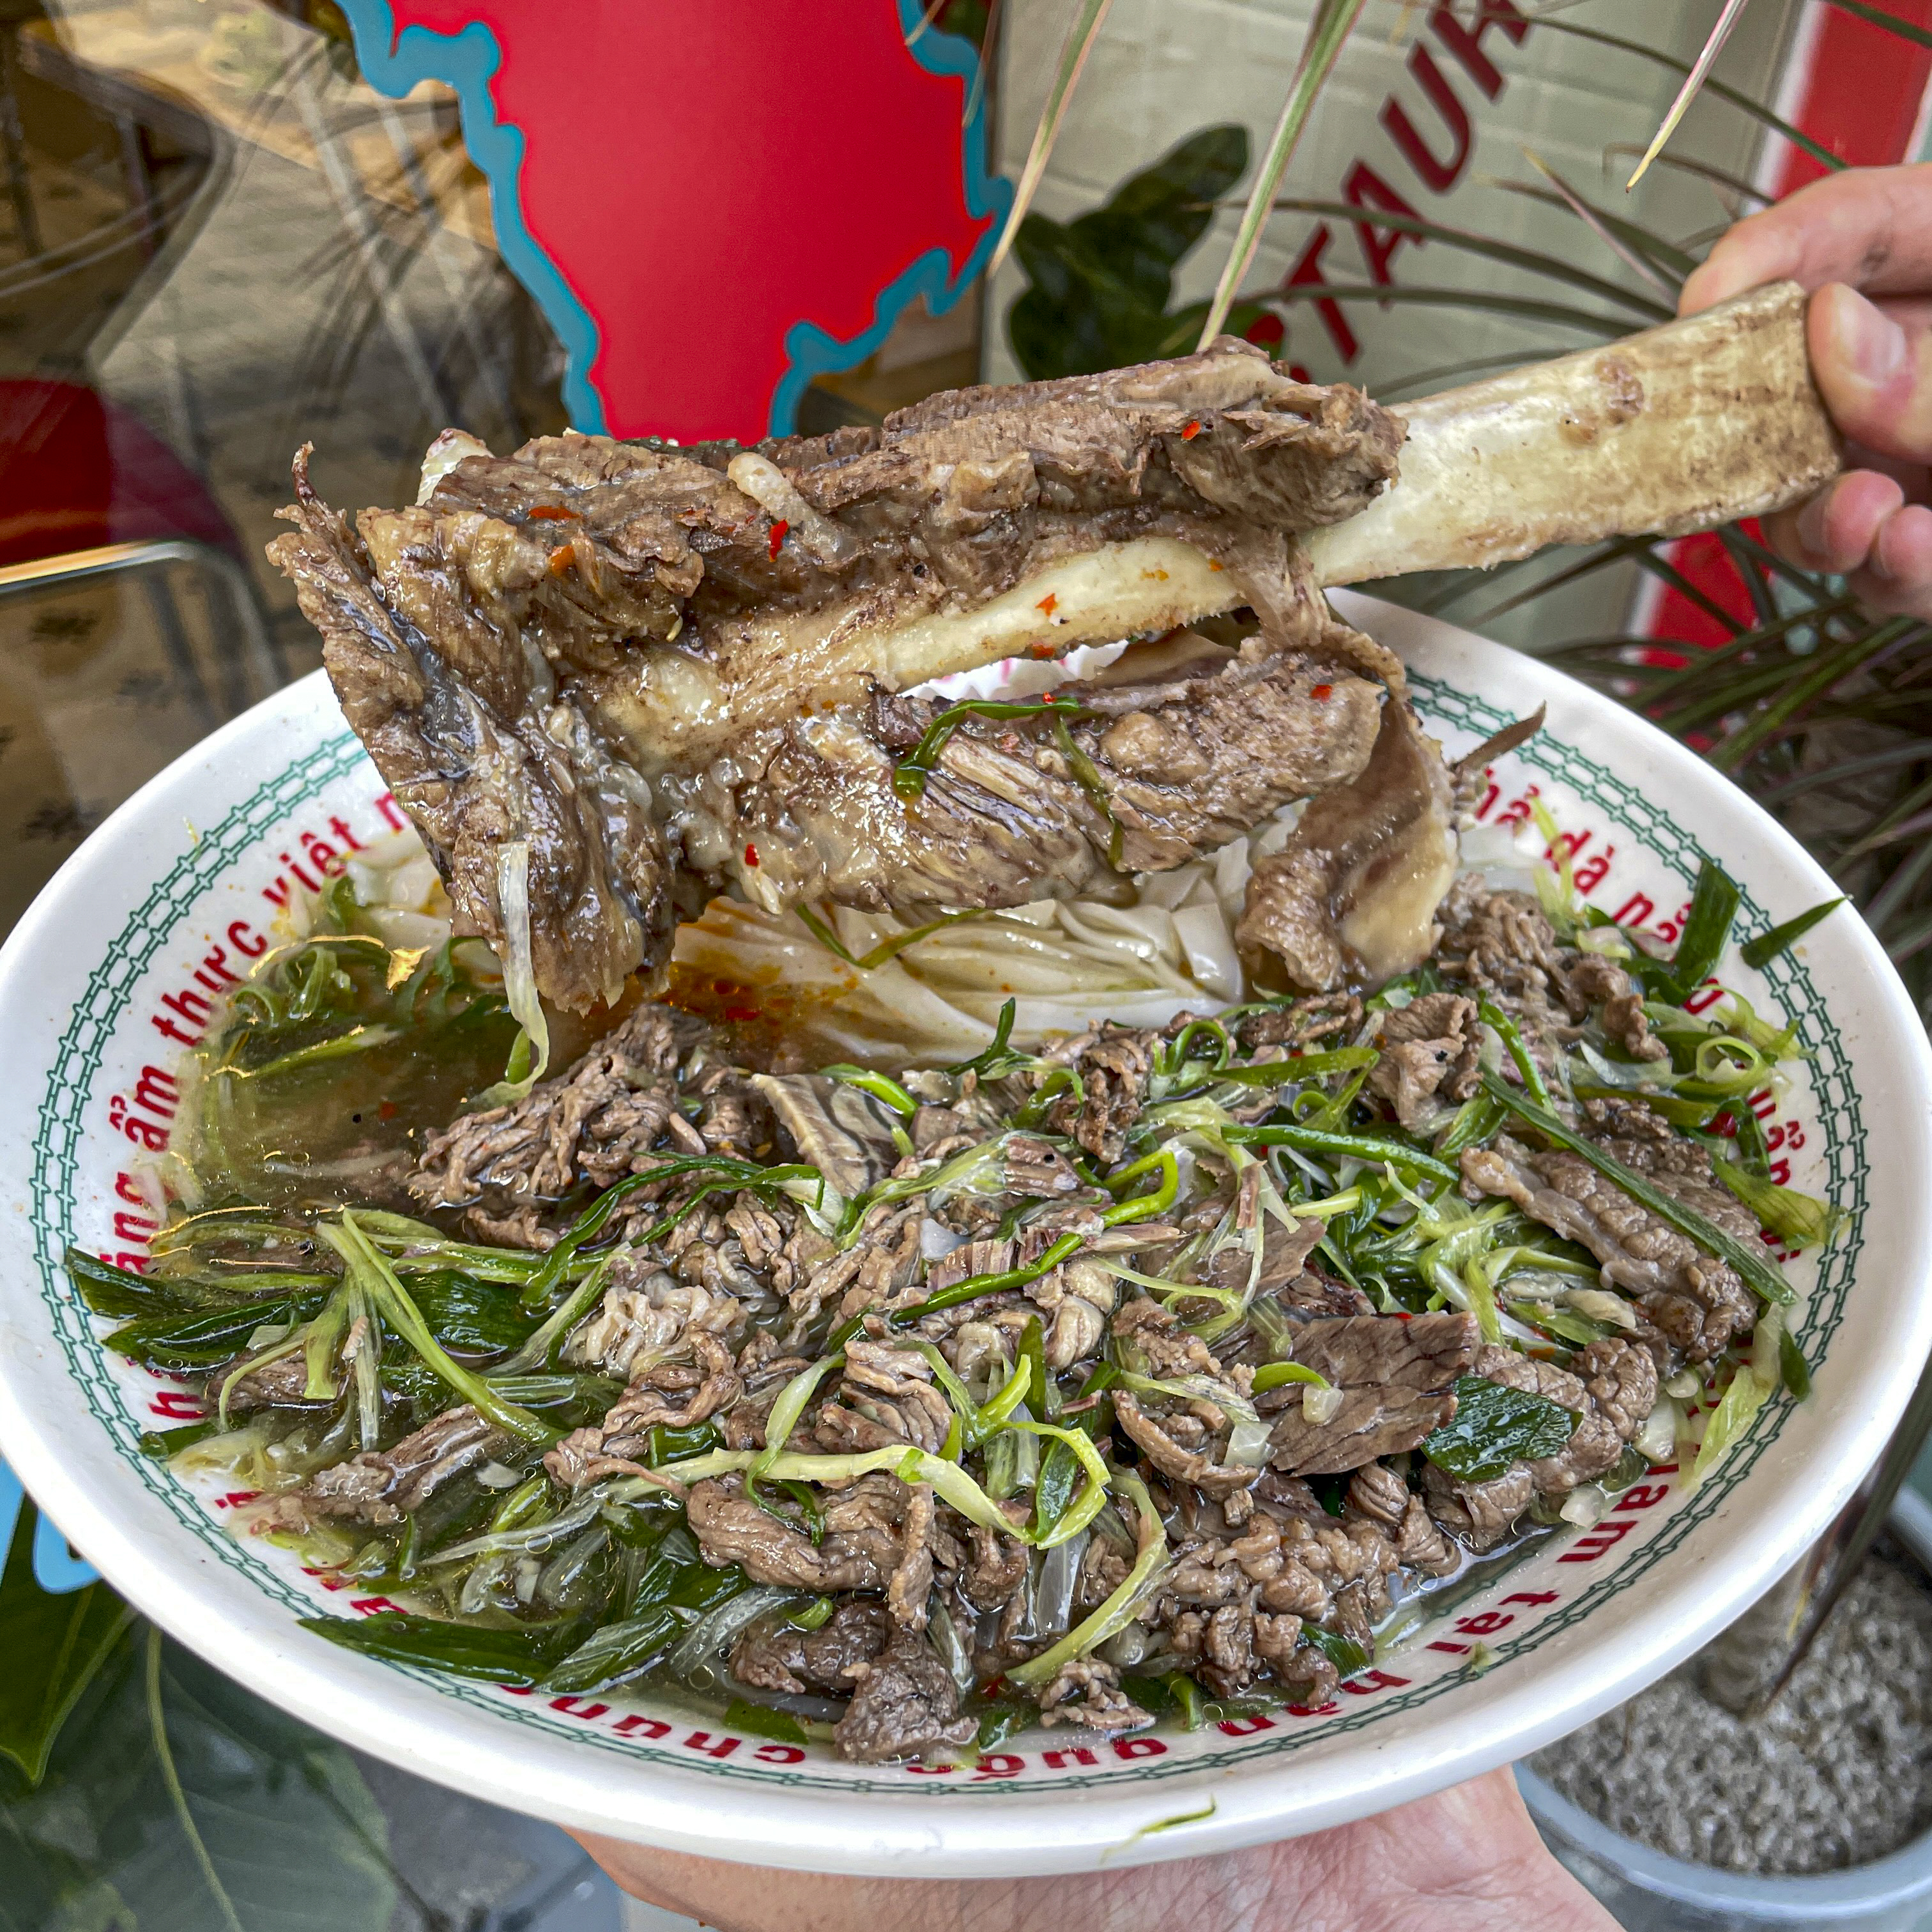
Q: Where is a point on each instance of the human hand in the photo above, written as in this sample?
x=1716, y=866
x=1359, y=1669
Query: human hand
x=1467, y=1860
x=1862, y=240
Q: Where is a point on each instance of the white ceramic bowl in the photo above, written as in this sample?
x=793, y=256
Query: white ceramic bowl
x=116, y=960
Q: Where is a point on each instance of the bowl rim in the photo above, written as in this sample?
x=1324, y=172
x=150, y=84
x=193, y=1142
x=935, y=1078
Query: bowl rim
x=1528, y=1702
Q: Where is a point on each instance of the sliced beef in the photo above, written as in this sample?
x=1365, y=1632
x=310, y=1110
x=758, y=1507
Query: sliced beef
x=1431, y=1051
x=905, y=1704
x=654, y=666
x=831, y=1127
x=385, y=1486
x=775, y=1654
x=1351, y=899
x=1397, y=1376
x=670, y=1395
x=1086, y=1691
x=1698, y=1302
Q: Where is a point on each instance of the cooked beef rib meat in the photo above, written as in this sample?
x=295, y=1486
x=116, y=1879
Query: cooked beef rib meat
x=663, y=671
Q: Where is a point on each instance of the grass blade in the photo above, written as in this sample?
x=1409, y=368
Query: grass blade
x=1673, y=260
x=1601, y=228
x=1718, y=89
x=1717, y=177
x=1080, y=39
x=1426, y=380
x=1327, y=31
x=1535, y=262
x=164, y=1756
x=1877, y=17
x=1523, y=307
x=1699, y=73
x=1619, y=551
x=1837, y=666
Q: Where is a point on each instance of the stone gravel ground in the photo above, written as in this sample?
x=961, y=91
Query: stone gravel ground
x=1838, y=1773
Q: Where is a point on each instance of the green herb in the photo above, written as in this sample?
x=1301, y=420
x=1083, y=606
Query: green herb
x=996, y=1058
x=761, y=1721
x=814, y=1616
x=1526, y=1062
x=1343, y=1652
x=514, y=1658
x=909, y=778
x=1496, y=1425
x=163, y=1444
x=1761, y=951
x=1753, y=1155
x=1000, y=1721
x=886, y=948
x=1757, y=1272
x=618, y=1652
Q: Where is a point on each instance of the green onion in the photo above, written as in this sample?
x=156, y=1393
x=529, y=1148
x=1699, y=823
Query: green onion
x=380, y=1283
x=1300, y=1067
x=877, y=1085
x=1525, y=1063
x=1762, y=1279
x=1175, y=1055
x=1114, y=1614
x=1714, y=901
x=815, y=1614
x=909, y=779
x=1273, y=1375
x=1354, y=1146
x=762, y=1720
x=1673, y=1108
x=731, y=1173
x=1794, y=1371
x=1753, y=1155
x=1761, y=951
x=1475, y=1122
x=1143, y=1206
x=1798, y=1220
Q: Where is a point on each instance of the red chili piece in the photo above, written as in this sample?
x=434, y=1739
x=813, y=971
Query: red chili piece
x=1322, y=693
x=750, y=855
x=779, y=529
x=553, y=513
x=1193, y=429
x=1047, y=603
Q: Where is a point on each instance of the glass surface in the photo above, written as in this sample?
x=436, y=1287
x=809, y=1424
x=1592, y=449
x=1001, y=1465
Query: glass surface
x=217, y=242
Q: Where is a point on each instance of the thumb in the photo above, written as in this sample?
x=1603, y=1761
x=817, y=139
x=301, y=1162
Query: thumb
x=1875, y=377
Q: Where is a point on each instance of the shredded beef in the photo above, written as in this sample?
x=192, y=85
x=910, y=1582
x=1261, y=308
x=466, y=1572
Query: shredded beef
x=385, y=1486
x=775, y=1654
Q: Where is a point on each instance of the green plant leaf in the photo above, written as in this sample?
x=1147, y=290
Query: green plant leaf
x=1099, y=285
x=1718, y=89
x=288, y=1834
x=1526, y=308
x=53, y=1646
x=1328, y=30
x=1767, y=946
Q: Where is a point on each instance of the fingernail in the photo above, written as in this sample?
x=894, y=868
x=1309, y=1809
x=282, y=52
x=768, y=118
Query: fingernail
x=1873, y=344
x=1810, y=529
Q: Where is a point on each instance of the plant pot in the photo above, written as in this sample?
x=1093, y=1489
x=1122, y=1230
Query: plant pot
x=1649, y=1891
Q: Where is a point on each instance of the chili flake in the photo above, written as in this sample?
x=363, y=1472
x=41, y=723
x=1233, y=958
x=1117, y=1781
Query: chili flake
x=750, y=855
x=1193, y=429
x=553, y=513
x=1322, y=692
x=1047, y=603
x=779, y=529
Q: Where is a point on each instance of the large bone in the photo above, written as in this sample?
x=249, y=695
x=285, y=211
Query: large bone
x=1681, y=428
